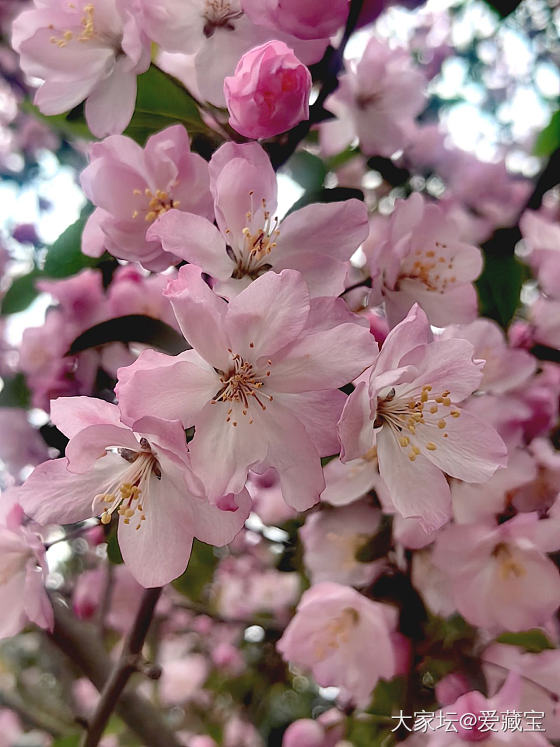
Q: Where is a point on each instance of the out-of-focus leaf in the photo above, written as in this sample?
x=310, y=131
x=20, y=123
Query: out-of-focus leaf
x=377, y=546
x=64, y=256
x=534, y=641
x=15, y=392
x=504, y=7
x=199, y=573
x=72, y=740
x=131, y=328
x=548, y=139
x=113, y=550
x=160, y=102
x=307, y=170
x=70, y=125
x=499, y=287
x=21, y=293
x=336, y=194
x=387, y=696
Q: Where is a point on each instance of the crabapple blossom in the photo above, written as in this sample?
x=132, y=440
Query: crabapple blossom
x=542, y=237
x=217, y=33
x=23, y=570
x=317, y=240
x=377, y=100
x=501, y=579
x=345, y=482
x=266, y=364
x=326, y=731
x=309, y=20
x=142, y=474
x=422, y=261
x=331, y=635
x=331, y=539
x=268, y=92
x=407, y=407
x=88, y=50
x=132, y=186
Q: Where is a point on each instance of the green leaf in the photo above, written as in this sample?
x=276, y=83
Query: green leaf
x=307, y=170
x=534, y=641
x=131, y=328
x=72, y=124
x=388, y=696
x=21, y=293
x=15, y=392
x=549, y=139
x=72, y=740
x=162, y=101
x=64, y=256
x=499, y=287
x=199, y=573
x=113, y=550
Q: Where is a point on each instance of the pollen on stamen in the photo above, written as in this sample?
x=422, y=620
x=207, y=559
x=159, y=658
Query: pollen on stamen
x=431, y=446
x=441, y=424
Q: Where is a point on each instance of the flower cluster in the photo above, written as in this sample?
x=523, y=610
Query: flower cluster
x=318, y=427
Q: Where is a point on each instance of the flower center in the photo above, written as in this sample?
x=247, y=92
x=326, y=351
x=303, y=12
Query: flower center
x=87, y=29
x=127, y=494
x=158, y=203
x=337, y=632
x=220, y=14
x=242, y=385
x=419, y=409
x=348, y=545
x=508, y=566
x=256, y=243
x=435, y=272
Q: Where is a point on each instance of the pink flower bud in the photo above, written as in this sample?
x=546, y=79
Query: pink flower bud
x=311, y=19
x=269, y=92
x=304, y=733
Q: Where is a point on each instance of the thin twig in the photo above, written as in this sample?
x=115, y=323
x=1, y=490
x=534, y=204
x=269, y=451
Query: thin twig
x=127, y=664
x=83, y=646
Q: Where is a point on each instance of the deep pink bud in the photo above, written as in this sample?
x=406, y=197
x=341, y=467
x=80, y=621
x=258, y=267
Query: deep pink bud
x=304, y=733
x=269, y=91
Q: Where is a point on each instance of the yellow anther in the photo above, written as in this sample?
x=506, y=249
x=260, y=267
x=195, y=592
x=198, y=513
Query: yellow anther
x=431, y=446
x=441, y=424
x=455, y=413
x=446, y=401
x=433, y=409
x=404, y=441
x=105, y=517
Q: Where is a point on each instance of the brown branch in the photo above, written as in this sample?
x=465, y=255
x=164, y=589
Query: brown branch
x=123, y=670
x=83, y=646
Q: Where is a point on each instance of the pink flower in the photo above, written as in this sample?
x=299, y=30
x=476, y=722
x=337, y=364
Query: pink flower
x=23, y=571
x=500, y=577
x=377, y=100
x=332, y=537
x=217, y=33
x=141, y=473
x=317, y=240
x=327, y=731
x=422, y=261
x=504, y=368
x=545, y=316
x=348, y=481
x=132, y=186
x=543, y=239
x=269, y=91
x=261, y=384
x=84, y=50
x=332, y=634
x=408, y=408
x=309, y=20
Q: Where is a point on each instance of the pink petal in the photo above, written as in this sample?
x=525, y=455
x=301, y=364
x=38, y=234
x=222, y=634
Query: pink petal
x=319, y=412
x=195, y=239
x=218, y=527
x=72, y=414
x=109, y=107
x=355, y=428
x=87, y=446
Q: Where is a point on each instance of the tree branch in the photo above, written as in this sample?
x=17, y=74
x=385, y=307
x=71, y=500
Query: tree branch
x=80, y=642
x=123, y=669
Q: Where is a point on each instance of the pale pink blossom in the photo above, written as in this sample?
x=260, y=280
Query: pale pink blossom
x=84, y=50
x=346, y=482
x=505, y=368
x=217, y=33
x=326, y=731
x=182, y=678
x=317, y=240
x=501, y=577
x=542, y=237
x=423, y=262
x=259, y=386
x=268, y=92
x=309, y=20
x=268, y=503
x=408, y=408
x=23, y=571
x=343, y=638
x=331, y=539
x=132, y=186
x=377, y=100
x=143, y=474
x=545, y=318
x=433, y=585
